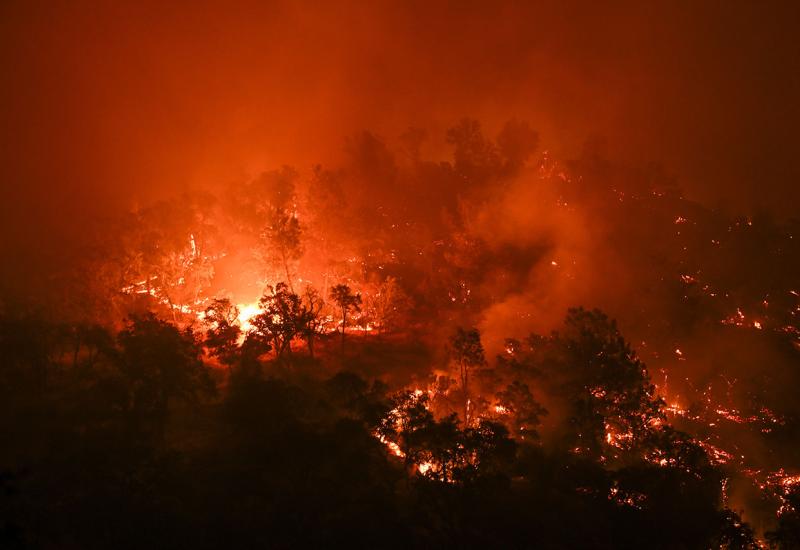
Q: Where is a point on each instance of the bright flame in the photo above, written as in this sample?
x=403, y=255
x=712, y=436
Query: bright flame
x=247, y=312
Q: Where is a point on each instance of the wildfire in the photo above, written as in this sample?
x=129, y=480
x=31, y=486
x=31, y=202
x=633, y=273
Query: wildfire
x=715, y=454
x=393, y=447
x=617, y=439
x=246, y=313
x=632, y=499
x=707, y=414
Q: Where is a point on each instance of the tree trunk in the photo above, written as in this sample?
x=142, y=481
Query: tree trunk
x=77, y=350
x=344, y=324
x=465, y=389
x=286, y=269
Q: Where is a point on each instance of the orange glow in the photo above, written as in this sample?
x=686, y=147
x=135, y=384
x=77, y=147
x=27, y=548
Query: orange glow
x=247, y=312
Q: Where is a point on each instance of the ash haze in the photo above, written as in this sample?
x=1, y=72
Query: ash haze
x=249, y=246
x=121, y=102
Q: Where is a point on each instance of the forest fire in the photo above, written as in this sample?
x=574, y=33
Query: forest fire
x=456, y=293
x=442, y=433
x=246, y=313
x=421, y=421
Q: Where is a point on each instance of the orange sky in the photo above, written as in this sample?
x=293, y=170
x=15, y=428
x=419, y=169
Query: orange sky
x=113, y=102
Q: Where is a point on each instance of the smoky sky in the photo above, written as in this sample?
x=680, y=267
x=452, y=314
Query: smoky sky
x=108, y=104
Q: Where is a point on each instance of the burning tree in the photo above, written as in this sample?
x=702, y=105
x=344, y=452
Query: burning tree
x=164, y=254
x=281, y=238
x=387, y=305
x=440, y=450
x=524, y=412
x=601, y=380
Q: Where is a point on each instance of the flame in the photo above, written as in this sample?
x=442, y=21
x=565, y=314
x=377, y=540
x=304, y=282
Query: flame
x=617, y=439
x=247, y=312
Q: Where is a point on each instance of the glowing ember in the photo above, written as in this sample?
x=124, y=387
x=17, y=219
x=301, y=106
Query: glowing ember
x=715, y=454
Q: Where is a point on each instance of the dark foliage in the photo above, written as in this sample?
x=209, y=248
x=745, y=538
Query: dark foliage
x=126, y=445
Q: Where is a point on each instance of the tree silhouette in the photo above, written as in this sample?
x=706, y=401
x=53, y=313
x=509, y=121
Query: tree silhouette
x=282, y=238
x=347, y=302
x=282, y=319
x=405, y=423
x=476, y=157
x=388, y=305
x=604, y=384
x=159, y=363
x=254, y=346
x=488, y=449
x=437, y=449
x=787, y=534
x=735, y=534
x=516, y=142
x=524, y=411
x=311, y=322
x=222, y=336
x=466, y=351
